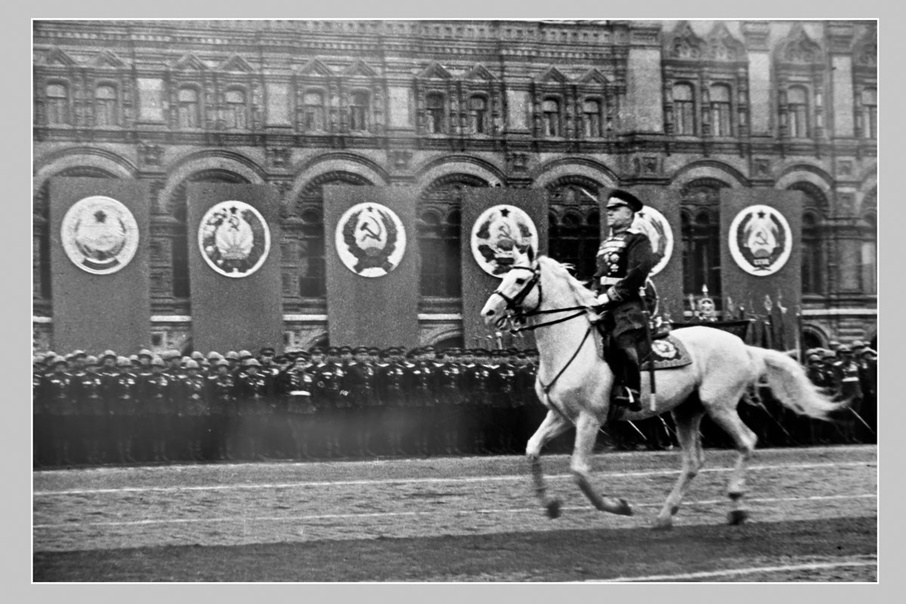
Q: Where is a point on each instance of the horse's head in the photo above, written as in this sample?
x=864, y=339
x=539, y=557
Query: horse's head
x=517, y=291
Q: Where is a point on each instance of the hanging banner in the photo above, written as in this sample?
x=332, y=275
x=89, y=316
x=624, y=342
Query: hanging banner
x=495, y=222
x=99, y=264
x=372, y=266
x=234, y=267
x=760, y=234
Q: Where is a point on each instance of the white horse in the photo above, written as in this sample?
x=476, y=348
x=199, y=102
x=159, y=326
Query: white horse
x=574, y=383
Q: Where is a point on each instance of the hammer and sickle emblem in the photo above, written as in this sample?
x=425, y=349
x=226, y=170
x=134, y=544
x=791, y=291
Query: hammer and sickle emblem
x=366, y=227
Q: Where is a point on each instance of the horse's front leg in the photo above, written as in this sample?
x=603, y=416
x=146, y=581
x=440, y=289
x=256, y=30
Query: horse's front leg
x=587, y=427
x=553, y=425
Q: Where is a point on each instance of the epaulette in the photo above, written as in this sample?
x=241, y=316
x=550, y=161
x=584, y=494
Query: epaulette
x=634, y=231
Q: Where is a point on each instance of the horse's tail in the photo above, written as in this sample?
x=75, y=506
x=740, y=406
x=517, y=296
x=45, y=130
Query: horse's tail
x=791, y=386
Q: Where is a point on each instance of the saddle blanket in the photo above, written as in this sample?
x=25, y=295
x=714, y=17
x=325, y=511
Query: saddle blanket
x=668, y=353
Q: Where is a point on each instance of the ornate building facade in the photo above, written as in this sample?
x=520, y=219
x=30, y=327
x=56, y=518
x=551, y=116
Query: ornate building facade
x=567, y=107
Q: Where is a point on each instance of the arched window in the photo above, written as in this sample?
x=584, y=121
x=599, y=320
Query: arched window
x=812, y=269
x=797, y=112
x=189, y=116
x=683, y=109
x=591, y=113
x=869, y=258
x=311, y=269
x=358, y=112
x=313, y=113
x=57, y=104
x=574, y=232
x=720, y=110
x=105, y=106
x=870, y=113
x=550, y=110
x=235, y=118
x=478, y=114
x=700, y=205
x=438, y=234
x=434, y=109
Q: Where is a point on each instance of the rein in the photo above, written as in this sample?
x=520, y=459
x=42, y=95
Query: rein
x=519, y=315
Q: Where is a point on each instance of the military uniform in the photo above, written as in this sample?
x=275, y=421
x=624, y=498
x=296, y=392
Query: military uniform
x=420, y=378
x=194, y=409
x=40, y=437
x=90, y=393
x=448, y=380
x=157, y=400
x=253, y=391
x=475, y=383
x=624, y=260
x=296, y=384
x=392, y=386
x=359, y=381
x=327, y=377
x=58, y=393
x=221, y=394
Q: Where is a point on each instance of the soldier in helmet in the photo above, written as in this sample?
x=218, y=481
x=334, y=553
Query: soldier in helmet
x=359, y=381
x=156, y=396
x=40, y=439
x=221, y=394
x=448, y=380
x=194, y=410
x=253, y=389
x=846, y=377
x=420, y=383
x=124, y=407
x=295, y=384
x=88, y=389
x=58, y=393
x=392, y=390
x=624, y=261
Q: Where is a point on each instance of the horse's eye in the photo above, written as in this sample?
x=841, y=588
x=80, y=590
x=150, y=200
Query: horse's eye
x=520, y=281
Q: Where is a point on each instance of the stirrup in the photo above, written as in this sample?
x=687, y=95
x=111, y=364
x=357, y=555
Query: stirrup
x=631, y=398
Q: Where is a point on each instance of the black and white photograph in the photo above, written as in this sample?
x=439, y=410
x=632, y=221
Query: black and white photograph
x=455, y=300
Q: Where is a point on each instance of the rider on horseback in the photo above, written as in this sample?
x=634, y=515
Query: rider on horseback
x=623, y=262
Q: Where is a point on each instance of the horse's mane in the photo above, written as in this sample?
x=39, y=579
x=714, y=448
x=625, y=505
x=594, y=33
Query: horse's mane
x=584, y=296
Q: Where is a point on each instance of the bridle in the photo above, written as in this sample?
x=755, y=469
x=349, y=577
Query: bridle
x=516, y=316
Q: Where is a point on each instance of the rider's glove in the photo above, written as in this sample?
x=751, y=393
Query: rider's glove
x=602, y=299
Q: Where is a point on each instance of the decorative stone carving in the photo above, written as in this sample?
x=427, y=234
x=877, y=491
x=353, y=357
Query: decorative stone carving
x=149, y=154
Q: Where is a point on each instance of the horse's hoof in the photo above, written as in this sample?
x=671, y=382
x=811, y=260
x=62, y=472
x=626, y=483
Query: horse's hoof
x=553, y=509
x=624, y=508
x=662, y=525
x=737, y=517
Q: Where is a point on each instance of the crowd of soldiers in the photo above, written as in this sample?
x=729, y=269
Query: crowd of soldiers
x=321, y=403
x=330, y=403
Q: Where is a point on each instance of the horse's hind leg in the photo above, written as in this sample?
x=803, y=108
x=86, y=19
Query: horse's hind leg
x=587, y=427
x=553, y=425
x=728, y=419
x=687, y=418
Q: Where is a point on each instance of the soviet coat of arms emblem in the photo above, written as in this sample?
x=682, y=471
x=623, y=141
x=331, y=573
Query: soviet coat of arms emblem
x=99, y=235
x=499, y=234
x=655, y=226
x=760, y=240
x=234, y=239
x=370, y=239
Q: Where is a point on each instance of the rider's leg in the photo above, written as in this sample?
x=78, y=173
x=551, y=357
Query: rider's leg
x=628, y=361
